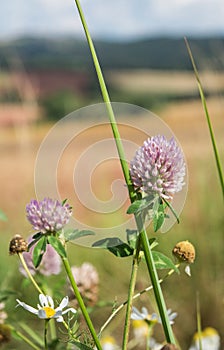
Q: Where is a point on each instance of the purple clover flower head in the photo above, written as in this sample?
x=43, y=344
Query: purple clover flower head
x=48, y=215
x=50, y=263
x=158, y=167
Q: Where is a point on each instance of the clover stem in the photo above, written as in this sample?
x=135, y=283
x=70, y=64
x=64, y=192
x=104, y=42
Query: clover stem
x=29, y=274
x=81, y=302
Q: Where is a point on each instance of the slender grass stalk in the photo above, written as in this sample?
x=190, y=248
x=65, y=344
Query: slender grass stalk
x=81, y=303
x=135, y=264
x=120, y=307
x=204, y=104
x=24, y=338
x=45, y=334
x=143, y=235
x=199, y=321
x=107, y=101
x=29, y=274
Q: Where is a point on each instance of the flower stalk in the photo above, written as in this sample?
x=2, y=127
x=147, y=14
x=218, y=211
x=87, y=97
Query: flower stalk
x=81, y=303
x=131, y=290
x=45, y=334
x=29, y=274
x=132, y=195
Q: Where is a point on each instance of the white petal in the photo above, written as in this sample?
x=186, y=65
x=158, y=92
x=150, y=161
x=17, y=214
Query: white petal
x=59, y=319
x=188, y=270
x=145, y=312
x=43, y=300
x=50, y=301
x=69, y=309
x=27, y=307
x=136, y=315
x=42, y=314
x=63, y=304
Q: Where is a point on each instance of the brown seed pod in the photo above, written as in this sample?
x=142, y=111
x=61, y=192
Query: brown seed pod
x=184, y=251
x=17, y=245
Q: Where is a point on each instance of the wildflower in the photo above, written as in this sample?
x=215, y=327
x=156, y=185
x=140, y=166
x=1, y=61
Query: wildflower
x=87, y=280
x=210, y=340
x=46, y=309
x=153, y=318
x=3, y=314
x=185, y=252
x=17, y=245
x=108, y=343
x=50, y=263
x=158, y=167
x=48, y=215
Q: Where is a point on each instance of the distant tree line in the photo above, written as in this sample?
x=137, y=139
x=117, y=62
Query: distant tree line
x=153, y=53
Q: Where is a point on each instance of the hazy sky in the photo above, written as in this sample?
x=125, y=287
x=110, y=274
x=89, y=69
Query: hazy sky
x=122, y=19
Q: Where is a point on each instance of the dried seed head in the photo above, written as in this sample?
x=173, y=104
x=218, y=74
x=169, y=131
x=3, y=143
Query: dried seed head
x=184, y=251
x=18, y=245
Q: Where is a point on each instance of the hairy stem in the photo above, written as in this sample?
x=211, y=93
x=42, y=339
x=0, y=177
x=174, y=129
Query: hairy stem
x=81, y=302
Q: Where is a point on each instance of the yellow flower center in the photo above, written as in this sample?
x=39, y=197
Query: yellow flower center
x=49, y=311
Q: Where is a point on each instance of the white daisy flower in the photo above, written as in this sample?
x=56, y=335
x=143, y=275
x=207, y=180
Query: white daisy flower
x=210, y=340
x=145, y=316
x=46, y=310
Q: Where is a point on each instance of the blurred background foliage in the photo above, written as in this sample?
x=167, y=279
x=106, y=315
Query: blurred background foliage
x=42, y=80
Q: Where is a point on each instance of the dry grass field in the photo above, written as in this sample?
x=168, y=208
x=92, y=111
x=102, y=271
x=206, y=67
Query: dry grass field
x=201, y=219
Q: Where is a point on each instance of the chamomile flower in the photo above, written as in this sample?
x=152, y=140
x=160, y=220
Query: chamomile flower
x=46, y=310
x=109, y=343
x=151, y=318
x=210, y=340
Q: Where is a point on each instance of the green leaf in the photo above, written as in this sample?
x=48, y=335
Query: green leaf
x=5, y=294
x=163, y=262
x=64, y=201
x=39, y=251
x=80, y=346
x=35, y=238
x=37, y=235
x=153, y=242
x=158, y=220
x=158, y=214
x=140, y=205
x=115, y=246
x=32, y=333
x=75, y=234
x=132, y=237
x=57, y=245
x=3, y=217
x=172, y=210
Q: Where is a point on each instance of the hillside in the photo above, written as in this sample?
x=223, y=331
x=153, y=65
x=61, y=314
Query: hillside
x=72, y=53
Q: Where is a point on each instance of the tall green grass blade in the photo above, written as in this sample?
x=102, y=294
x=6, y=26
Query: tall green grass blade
x=143, y=235
x=199, y=321
x=203, y=100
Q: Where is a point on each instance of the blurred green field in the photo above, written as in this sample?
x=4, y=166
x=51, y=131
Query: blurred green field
x=202, y=222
